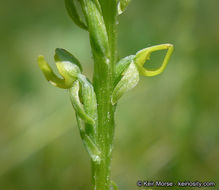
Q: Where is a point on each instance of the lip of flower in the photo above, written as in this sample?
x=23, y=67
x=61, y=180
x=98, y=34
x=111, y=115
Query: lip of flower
x=143, y=55
x=67, y=70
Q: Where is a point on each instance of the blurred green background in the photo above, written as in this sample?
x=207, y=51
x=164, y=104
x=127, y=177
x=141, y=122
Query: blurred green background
x=167, y=128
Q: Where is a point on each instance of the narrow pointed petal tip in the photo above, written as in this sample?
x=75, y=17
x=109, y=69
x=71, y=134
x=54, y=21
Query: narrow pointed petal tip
x=42, y=63
x=45, y=68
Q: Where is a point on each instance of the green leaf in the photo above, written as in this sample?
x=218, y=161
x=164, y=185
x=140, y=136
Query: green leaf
x=144, y=55
x=128, y=81
x=78, y=106
x=71, y=9
x=64, y=55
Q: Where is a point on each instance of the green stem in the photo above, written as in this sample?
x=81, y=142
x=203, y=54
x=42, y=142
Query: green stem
x=104, y=70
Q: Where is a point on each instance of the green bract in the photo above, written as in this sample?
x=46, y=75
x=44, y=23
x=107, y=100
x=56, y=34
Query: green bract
x=88, y=96
x=73, y=13
x=89, y=144
x=78, y=105
x=96, y=27
x=122, y=5
x=95, y=102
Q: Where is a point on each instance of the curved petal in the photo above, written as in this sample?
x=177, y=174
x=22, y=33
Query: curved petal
x=143, y=55
x=68, y=71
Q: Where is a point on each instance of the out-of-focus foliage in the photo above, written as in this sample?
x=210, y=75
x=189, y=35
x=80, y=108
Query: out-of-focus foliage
x=166, y=128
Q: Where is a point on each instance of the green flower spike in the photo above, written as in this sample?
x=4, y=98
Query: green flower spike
x=95, y=102
x=144, y=55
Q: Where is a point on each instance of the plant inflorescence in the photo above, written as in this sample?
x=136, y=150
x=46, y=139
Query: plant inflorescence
x=95, y=102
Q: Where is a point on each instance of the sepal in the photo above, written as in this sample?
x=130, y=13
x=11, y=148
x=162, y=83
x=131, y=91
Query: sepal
x=64, y=55
x=121, y=66
x=68, y=71
x=128, y=81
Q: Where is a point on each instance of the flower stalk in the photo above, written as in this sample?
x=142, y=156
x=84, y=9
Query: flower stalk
x=95, y=102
